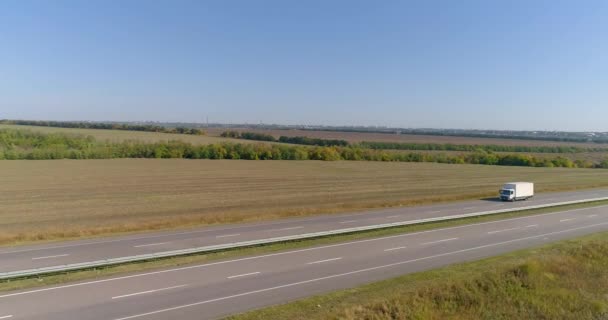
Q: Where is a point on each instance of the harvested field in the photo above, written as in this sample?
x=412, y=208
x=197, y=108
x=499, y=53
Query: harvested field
x=403, y=138
x=55, y=199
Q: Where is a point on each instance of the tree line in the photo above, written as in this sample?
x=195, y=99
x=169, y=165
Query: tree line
x=25, y=144
x=563, y=137
x=379, y=145
x=284, y=139
x=105, y=126
x=472, y=148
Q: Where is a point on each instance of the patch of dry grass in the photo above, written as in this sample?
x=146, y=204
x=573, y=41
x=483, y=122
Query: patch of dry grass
x=56, y=199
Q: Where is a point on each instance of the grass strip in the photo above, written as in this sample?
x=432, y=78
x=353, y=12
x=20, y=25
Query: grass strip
x=171, y=262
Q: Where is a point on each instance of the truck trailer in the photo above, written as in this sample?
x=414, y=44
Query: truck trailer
x=515, y=191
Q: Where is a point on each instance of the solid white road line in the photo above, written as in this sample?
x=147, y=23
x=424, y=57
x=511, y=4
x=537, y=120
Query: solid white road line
x=149, y=291
x=6, y=317
x=285, y=229
x=200, y=266
x=439, y=241
x=564, y=220
x=150, y=245
x=228, y=235
x=243, y=275
x=293, y=284
x=322, y=261
x=393, y=249
x=592, y=216
x=532, y=226
x=51, y=257
x=348, y=221
x=503, y=230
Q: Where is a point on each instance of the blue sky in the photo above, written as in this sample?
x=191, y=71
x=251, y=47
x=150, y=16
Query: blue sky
x=539, y=65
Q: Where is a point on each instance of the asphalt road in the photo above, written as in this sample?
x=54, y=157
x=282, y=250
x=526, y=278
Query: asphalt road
x=38, y=256
x=214, y=290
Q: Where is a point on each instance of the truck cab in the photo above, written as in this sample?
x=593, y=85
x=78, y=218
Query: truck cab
x=507, y=194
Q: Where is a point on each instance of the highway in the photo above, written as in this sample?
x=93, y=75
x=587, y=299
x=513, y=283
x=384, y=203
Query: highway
x=55, y=254
x=214, y=290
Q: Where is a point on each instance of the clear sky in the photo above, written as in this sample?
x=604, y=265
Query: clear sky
x=539, y=65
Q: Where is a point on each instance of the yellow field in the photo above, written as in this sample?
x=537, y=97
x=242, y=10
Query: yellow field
x=42, y=200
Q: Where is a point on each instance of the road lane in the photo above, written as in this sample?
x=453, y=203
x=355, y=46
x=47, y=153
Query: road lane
x=21, y=258
x=207, y=291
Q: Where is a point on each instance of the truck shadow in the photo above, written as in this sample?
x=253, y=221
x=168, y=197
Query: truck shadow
x=492, y=199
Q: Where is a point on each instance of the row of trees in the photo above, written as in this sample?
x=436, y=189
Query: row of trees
x=410, y=146
x=314, y=141
x=293, y=140
x=106, y=126
x=248, y=136
x=19, y=144
x=497, y=134
x=471, y=148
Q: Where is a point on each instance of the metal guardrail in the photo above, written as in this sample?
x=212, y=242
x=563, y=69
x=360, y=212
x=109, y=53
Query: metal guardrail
x=174, y=253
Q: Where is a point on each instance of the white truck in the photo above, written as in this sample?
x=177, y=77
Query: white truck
x=514, y=191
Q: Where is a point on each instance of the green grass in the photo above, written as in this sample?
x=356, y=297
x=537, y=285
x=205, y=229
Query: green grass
x=68, y=199
x=172, y=262
x=565, y=280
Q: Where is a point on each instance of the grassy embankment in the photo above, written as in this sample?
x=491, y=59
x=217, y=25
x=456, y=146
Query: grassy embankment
x=565, y=280
x=61, y=199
